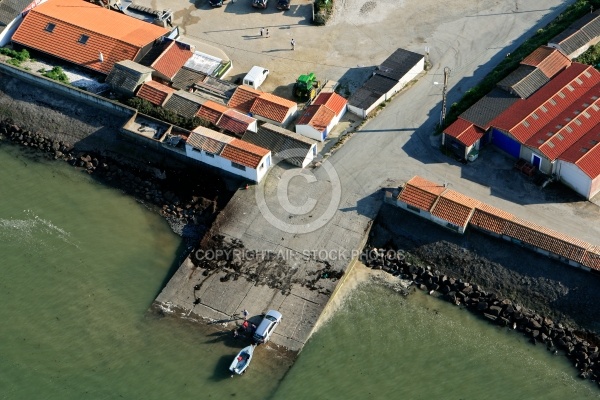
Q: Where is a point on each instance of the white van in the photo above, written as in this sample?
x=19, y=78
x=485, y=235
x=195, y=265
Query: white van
x=256, y=76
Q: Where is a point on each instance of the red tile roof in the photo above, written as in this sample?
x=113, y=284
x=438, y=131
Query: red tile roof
x=421, y=193
x=546, y=239
x=455, y=207
x=211, y=111
x=559, y=134
x=156, y=93
x=317, y=116
x=272, y=107
x=591, y=258
x=332, y=100
x=525, y=117
x=117, y=36
x=490, y=218
x=549, y=60
x=464, y=131
x=585, y=153
x=243, y=98
x=235, y=122
x=244, y=153
x=172, y=59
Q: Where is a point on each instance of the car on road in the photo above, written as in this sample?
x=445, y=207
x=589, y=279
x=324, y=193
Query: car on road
x=267, y=326
x=283, y=4
x=216, y=3
x=259, y=3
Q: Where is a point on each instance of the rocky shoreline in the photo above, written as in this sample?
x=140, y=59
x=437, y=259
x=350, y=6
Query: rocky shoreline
x=454, y=274
x=188, y=211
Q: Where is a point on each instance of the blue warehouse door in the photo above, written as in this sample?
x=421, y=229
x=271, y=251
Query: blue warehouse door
x=506, y=143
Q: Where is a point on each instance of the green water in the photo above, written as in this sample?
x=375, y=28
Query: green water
x=81, y=264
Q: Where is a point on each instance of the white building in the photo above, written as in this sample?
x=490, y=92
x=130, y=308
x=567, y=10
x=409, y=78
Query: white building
x=229, y=154
x=318, y=119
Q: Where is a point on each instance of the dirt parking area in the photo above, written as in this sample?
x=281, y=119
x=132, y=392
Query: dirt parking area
x=360, y=35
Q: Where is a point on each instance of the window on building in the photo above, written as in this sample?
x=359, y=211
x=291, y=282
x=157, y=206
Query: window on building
x=579, y=81
x=587, y=74
x=534, y=116
x=211, y=155
x=559, y=136
x=552, y=101
x=544, y=109
x=571, y=88
x=50, y=27
x=568, y=129
x=261, y=166
x=526, y=124
x=197, y=150
x=452, y=226
x=238, y=166
x=83, y=39
x=586, y=114
x=551, y=145
x=561, y=95
x=594, y=97
x=594, y=107
x=577, y=122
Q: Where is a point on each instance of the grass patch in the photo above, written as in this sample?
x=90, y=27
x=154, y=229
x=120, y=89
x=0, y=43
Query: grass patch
x=56, y=74
x=145, y=107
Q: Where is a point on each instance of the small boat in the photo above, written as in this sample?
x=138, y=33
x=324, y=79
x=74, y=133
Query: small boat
x=242, y=360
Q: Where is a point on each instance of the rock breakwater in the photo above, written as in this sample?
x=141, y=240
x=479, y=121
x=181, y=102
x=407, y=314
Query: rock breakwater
x=581, y=347
x=188, y=211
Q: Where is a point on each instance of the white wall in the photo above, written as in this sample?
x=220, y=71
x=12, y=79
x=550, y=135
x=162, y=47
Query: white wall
x=409, y=76
x=572, y=176
x=309, y=132
x=444, y=223
x=222, y=163
x=9, y=30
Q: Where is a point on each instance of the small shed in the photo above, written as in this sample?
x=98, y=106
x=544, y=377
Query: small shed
x=578, y=37
x=127, y=76
x=284, y=144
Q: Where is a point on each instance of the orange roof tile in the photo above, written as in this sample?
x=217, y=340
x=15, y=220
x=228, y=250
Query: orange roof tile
x=272, y=107
x=464, y=131
x=243, y=98
x=546, y=239
x=172, y=59
x=332, y=100
x=244, y=153
x=591, y=258
x=490, y=218
x=82, y=30
x=235, y=122
x=211, y=111
x=549, y=60
x=455, y=207
x=156, y=93
x=421, y=193
x=317, y=116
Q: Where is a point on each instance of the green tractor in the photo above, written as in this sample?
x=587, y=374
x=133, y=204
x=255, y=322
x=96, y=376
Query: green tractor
x=306, y=87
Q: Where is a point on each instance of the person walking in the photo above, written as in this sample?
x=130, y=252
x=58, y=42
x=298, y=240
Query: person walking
x=267, y=32
x=245, y=313
x=262, y=32
x=293, y=43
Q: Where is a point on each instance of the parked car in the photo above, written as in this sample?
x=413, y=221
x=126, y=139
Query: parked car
x=267, y=326
x=216, y=3
x=259, y=3
x=283, y=4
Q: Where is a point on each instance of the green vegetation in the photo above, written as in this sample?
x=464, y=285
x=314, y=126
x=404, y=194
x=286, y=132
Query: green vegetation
x=591, y=56
x=323, y=11
x=56, y=74
x=145, y=107
x=16, y=57
x=511, y=62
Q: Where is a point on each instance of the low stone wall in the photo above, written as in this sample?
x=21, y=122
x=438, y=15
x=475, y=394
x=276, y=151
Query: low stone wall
x=579, y=346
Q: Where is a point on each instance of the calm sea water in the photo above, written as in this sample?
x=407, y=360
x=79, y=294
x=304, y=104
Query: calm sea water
x=81, y=264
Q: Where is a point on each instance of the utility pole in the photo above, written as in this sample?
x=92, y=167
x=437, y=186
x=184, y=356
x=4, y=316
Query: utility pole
x=444, y=90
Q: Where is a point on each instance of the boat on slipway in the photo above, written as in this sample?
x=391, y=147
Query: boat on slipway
x=242, y=360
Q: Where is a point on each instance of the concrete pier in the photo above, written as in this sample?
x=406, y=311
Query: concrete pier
x=272, y=264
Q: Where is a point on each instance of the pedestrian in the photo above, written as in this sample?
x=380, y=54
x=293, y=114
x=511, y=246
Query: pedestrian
x=245, y=325
x=293, y=43
x=262, y=32
x=245, y=313
x=235, y=333
x=267, y=32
